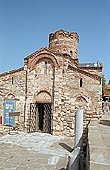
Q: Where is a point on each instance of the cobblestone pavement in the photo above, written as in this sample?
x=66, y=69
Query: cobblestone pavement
x=35, y=151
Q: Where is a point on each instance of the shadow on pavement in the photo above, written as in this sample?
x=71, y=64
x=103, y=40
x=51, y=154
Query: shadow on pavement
x=65, y=146
x=105, y=122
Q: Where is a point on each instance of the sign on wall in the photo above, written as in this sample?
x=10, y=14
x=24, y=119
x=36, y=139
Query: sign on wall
x=9, y=106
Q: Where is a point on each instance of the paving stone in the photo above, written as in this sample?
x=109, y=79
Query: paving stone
x=19, y=156
x=99, y=144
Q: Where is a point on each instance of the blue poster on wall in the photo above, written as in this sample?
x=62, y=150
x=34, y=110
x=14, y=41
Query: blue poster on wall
x=9, y=106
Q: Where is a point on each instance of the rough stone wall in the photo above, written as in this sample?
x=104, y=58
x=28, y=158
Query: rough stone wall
x=12, y=87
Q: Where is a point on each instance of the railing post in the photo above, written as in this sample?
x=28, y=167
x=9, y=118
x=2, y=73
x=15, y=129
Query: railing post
x=78, y=128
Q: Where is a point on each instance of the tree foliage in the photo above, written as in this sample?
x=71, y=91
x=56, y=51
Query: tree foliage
x=103, y=85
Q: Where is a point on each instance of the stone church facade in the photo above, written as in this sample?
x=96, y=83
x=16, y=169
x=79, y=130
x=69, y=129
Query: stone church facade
x=52, y=86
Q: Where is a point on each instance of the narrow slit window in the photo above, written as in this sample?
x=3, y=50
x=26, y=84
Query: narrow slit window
x=12, y=81
x=45, y=68
x=81, y=82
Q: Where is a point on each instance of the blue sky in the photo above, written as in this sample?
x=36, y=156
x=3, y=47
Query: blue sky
x=25, y=26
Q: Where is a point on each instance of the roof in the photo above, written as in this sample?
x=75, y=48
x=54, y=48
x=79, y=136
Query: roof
x=90, y=65
x=42, y=50
x=12, y=71
x=108, y=86
x=107, y=93
x=97, y=77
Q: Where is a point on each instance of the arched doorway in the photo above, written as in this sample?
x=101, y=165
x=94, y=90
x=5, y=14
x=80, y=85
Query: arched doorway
x=41, y=113
x=44, y=117
x=43, y=101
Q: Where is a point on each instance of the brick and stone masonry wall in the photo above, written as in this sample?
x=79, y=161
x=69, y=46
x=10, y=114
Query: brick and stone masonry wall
x=64, y=42
x=12, y=86
x=69, y=97
x=40, y=80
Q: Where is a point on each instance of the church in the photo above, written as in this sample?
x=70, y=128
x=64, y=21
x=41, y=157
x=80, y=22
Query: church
x=51, y=87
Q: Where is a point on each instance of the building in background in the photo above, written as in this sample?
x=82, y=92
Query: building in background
x=51, y=87
x=106, y=100
x=107, y=93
